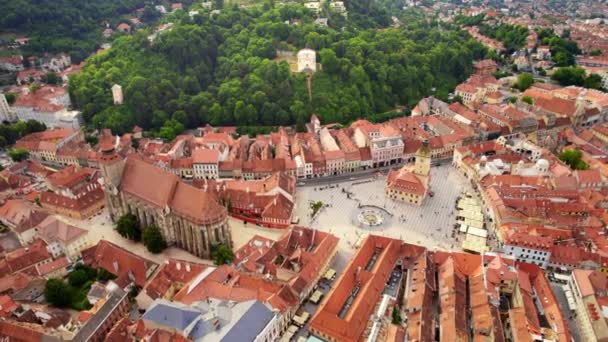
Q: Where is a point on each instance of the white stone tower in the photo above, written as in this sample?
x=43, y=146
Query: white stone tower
x=117, y=94
x=307, y=60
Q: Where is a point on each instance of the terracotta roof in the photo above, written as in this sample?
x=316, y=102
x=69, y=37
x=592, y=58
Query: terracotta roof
x=197, y=205
x=82, y=202
x=406, y=181
x=52, y=229
x=205, y=156
x=557, y=105
x=351, y=325
x=15, y=282
x=589, y=176
x=174, y=274
x=53, y=266
x=21, y=214
x=7, y=305
x=25, y=257
x=120, y=262
x=169, y=192
x=20, y=332
x=137, y=177
x=43, y=100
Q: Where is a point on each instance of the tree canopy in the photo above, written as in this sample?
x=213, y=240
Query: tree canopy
x=524, y=81
x=563, y=50
x=576, y=76
x=153, y=240
x=513, y=37
x=18, y=154
x=222, y=254
x=573, y=158
x=57, y=293
x=224, y=70
x=64, y=26
x=128, y=227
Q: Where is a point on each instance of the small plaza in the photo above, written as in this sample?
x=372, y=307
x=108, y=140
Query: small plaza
x=359, y=207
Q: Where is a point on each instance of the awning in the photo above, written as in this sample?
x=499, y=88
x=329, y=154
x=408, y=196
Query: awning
x=329, y=274
x=316, y=296
x=287, y=337
x=301, y=320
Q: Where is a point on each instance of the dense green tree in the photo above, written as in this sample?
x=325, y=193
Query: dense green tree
x=563, y=50
x=128, y=227
x=170, y=130
x=104, y=275
x=222, y=255
x=223, y=71
x=567, y=76
x=57, y=293
x=18, y=154
x=593, y=81
x=51, y=78
x=524, y=81
x=78, y=278
x=573, y=158
x=527, y=99
x=396, y=317
x=513, y=37
x=10, y=98
x=66, y=26
x=153, y=240
x=595, y=52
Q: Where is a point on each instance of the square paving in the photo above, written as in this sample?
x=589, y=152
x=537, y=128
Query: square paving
x=429, y=225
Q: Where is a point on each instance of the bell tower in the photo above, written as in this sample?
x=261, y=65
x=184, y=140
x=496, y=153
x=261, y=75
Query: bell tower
x=422, y=166
x=111, y=164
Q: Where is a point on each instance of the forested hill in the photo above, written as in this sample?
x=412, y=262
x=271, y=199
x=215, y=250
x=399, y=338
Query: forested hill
x=72, y=26
x=224, y=70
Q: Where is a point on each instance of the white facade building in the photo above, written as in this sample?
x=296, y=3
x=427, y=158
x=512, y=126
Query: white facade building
x=48, y=105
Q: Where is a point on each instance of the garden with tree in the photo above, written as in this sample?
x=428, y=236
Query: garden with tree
x=73, y=292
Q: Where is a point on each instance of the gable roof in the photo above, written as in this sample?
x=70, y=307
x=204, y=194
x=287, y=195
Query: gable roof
x=120, y=262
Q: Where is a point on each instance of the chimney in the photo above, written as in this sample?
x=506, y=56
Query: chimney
x=178, y=266
x=187, y=267
x=115, y=264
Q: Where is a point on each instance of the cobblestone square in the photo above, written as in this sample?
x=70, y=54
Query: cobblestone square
x=429, y=225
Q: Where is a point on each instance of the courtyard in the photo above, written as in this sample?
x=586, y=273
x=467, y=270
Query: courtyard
x=359, y=207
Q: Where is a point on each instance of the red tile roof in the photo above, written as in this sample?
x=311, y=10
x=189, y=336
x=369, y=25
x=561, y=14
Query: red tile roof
x=26, y=257
x=169, y=191
x=7, y=305
x=205, y=156
x=120, y=262
x=351, y=326
x=53, y=266
x=20, y=332
x=174, y=274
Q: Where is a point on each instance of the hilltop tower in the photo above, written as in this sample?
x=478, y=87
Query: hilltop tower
x=117, y=95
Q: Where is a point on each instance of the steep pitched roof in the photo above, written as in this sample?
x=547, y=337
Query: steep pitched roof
x=120, y=262
x=52, y=229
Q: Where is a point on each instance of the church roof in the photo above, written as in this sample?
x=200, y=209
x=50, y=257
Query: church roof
x=162, y=189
